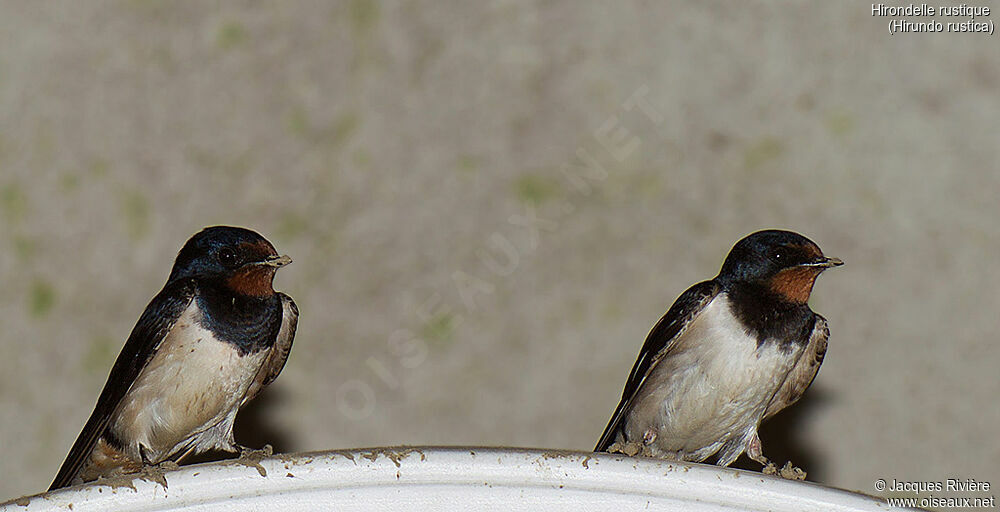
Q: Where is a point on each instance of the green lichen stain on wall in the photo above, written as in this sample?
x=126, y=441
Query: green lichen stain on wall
x=298, y=123
x=41, y=298
x=439, y=329
x=99, y=167
x=292, y=226
x=25, y=248
x=763, y=152
x=100, y=354
x=13, y=202
x=840, y=123
x=135, y=211
x=231, y=34
x=363, y=159
x=467, y=163
x=343, y=128
x=364, y=14
x=534, y=189
x=69, y=182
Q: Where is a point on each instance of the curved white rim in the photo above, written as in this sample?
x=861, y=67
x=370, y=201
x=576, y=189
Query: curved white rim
x=454, y=478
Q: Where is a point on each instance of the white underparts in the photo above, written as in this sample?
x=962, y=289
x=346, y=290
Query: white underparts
x=187, y=397
x=710, y=391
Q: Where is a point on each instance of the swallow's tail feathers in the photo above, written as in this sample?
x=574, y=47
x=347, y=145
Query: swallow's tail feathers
x=80, y=454
x=608, y=437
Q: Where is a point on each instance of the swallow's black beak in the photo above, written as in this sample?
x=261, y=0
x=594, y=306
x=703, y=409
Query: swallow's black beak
x=823, y=262
x=276, y=261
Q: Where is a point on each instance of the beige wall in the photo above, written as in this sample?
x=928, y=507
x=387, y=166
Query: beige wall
x=394, y=150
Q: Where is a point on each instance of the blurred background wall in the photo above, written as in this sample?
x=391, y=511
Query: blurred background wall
x=490, y=204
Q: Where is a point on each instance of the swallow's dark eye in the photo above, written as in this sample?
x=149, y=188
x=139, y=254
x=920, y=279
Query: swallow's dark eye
x=780, y=254
x=227, y=257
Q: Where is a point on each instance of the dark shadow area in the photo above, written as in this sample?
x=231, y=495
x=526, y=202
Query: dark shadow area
x=782, y=442
x=254, y=428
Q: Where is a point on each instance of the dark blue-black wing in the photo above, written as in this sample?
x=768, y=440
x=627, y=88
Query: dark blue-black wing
x=658, y=342
x=152, y=327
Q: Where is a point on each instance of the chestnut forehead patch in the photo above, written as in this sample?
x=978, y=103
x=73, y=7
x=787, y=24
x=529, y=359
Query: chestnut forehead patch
x=258, y=247
x=810, y=250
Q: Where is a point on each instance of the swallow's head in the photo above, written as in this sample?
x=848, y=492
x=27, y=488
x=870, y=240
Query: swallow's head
x=784, y=262
x=238, y=258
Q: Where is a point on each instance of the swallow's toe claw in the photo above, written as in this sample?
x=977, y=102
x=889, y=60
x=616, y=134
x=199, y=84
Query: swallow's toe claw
x=168, y=465
x=790, y=472
x=246, y=451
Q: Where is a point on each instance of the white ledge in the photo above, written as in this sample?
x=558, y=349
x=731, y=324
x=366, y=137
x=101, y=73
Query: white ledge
x=432, y=478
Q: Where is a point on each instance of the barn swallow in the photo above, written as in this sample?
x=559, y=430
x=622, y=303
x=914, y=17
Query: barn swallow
x=214, y=336
x=730, y=353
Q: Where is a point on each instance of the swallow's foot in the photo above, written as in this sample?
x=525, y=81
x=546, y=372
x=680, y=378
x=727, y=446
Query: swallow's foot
x=769, y=469
x=251, y=458
x=120, y=477
x=156, y=472
x=788, y=471
x=247, y=453
x=632, y=449
x=167, y=465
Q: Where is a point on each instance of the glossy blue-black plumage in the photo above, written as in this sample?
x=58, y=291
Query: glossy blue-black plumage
x=745, y=277
x=202, y=255
x=249, y=323
x=200, y=273
x=761, y=255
